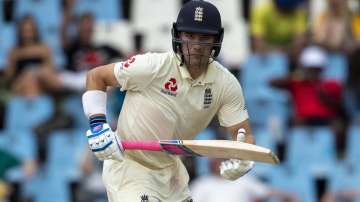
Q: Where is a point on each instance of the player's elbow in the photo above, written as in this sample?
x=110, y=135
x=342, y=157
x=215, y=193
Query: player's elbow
x=94, y=79
x=90, y=75
x=101, y=77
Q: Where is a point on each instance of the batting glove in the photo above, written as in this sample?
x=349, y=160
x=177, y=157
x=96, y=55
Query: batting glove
x=233, y=169
x=103, y=142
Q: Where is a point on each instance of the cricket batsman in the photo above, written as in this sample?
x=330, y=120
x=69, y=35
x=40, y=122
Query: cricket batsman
x=171, y=95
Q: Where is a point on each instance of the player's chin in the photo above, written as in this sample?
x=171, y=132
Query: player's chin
x=195, y=62
x=199, y=58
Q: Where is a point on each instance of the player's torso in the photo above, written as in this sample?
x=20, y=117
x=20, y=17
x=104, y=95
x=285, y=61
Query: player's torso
x=170, y=107
x=173, y=107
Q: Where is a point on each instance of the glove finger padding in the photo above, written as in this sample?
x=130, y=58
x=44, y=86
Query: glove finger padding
x=104, y=143
x=234, y=168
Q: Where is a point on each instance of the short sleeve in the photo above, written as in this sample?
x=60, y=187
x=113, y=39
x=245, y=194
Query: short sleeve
x=233, y=109
x=137, y=72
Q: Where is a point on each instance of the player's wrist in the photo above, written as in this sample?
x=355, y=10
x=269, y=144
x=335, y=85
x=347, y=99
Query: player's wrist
x=94, y=103
x=96, y=120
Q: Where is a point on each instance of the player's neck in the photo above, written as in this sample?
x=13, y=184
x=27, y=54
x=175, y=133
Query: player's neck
x=196, y=72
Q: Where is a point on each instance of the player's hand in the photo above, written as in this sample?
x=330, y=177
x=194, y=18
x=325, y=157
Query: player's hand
x=235, y=168
x=104, y=143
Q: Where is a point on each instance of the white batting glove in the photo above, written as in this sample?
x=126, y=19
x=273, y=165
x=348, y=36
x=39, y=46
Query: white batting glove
x=104, y=143
x=233, y=169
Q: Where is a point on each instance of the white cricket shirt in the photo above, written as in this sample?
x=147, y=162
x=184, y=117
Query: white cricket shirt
x=163, y=102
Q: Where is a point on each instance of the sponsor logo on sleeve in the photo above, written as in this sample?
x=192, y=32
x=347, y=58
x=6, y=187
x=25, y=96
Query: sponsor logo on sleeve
x=128, y=62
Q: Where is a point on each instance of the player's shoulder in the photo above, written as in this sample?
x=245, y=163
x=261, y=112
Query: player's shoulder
x=223, y=74
x=149, y=60
x=157, y=56
x=157, y=59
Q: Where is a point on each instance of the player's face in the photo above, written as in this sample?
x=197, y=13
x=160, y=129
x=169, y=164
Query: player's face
x=196, y=49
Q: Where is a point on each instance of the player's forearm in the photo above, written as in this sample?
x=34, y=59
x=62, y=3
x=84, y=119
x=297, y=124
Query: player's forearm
x=249, y=138
x=97, y=80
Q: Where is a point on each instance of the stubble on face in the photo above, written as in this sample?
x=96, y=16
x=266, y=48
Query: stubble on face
x=196, y=50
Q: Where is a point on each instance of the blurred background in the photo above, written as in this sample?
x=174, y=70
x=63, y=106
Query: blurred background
x=298, y=62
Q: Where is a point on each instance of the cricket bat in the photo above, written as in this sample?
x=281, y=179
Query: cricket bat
x=210, y=148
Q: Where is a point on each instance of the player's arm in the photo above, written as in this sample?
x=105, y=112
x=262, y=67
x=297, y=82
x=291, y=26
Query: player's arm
x=233, y=130
x=233, y=115
x=103, y=142
x=101, y=77
x=135, y=74
x=233, y=169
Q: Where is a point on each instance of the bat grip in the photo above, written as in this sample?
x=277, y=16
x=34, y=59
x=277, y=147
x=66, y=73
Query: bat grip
x=152, y=145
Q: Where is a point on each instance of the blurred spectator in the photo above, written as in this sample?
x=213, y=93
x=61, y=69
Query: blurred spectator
x=353, y=86
x=346, y=195
x=8, y=161
x=278, y=25
x=81, y=55
x=248, y=188
x=332, y=28
x=28, y=56
x=26, y=59
x=353, y=80
x=355, y=26
x=308, y=89
x=4, y=191
x=68, y=17
x=316, y=101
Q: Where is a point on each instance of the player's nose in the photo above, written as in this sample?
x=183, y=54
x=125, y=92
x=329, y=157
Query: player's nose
x=196, y=47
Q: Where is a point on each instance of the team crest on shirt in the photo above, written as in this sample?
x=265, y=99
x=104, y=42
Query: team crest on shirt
x=207, y=98
x=144, y=198
x=170, y=87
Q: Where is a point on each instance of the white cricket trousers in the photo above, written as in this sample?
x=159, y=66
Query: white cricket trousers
x=129, y=181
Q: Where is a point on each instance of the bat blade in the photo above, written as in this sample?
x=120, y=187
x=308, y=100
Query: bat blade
x=231, y=149
x=209, y=148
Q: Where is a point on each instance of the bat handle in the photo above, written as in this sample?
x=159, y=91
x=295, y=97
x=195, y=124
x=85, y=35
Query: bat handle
x=151, y=145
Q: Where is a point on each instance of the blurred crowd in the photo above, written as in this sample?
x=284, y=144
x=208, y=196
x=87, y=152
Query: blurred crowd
x=298, y=62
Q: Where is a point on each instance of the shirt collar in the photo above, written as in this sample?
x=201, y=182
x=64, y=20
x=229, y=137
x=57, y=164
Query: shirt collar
x=207, y=77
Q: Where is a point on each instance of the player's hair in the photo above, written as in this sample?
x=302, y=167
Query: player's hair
x=199, y=17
